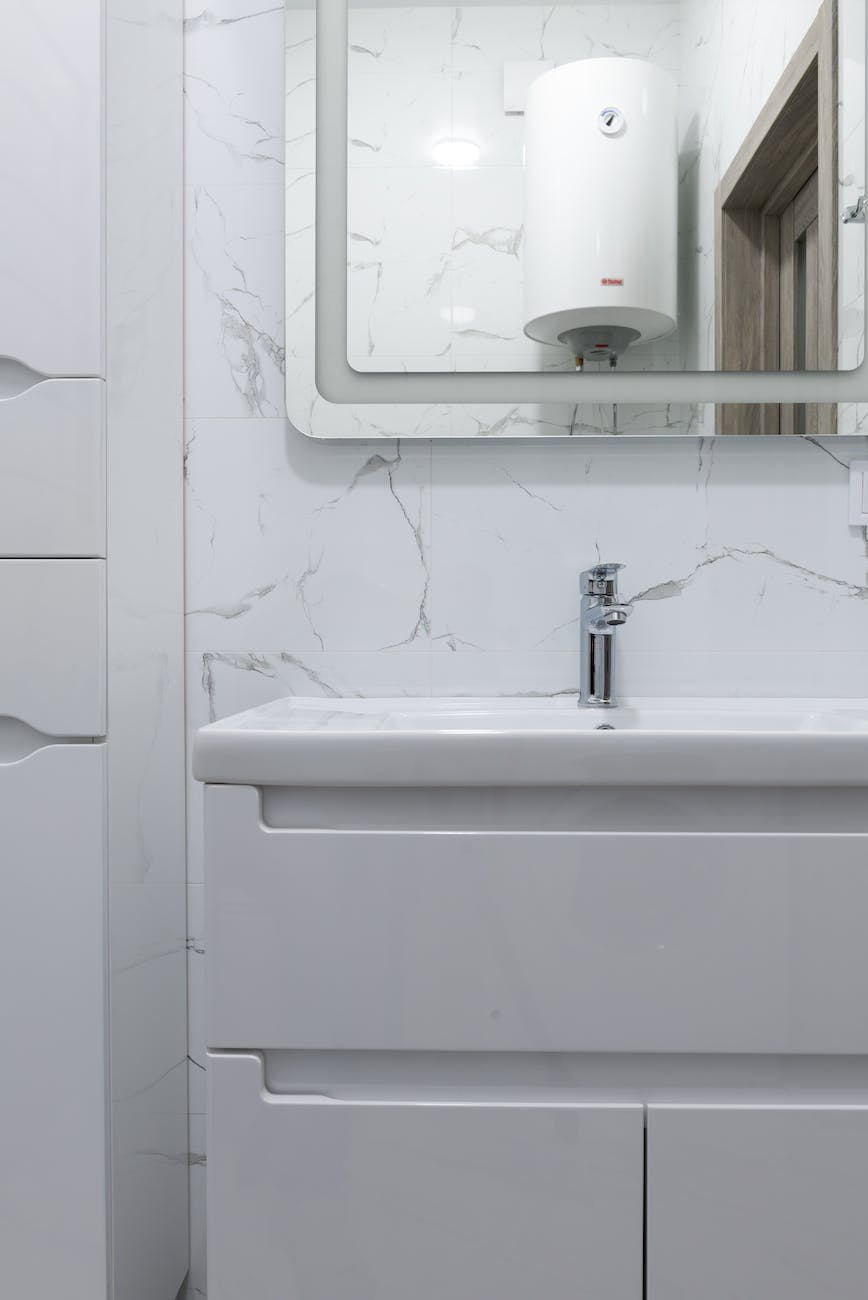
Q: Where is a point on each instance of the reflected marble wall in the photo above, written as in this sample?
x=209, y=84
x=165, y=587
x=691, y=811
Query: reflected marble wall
x=436, y=256
x=402, y=567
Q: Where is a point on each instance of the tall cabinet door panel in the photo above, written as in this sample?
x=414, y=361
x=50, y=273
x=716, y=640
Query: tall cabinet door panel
x=52, y=1013
x=311, y=1198
x=52, y=470
x=757, y=1203
x=52, y=651
x=51, y=165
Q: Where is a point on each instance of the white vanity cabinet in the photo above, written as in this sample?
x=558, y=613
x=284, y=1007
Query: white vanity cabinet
x=316, y=1198
x=760, y=1202
x=51, y=219
x=493, y=1043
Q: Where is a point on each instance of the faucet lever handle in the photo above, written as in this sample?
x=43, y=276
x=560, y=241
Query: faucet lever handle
x=601, y=580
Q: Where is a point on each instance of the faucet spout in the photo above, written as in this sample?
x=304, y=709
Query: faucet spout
x=604, y=622
x=601, y=615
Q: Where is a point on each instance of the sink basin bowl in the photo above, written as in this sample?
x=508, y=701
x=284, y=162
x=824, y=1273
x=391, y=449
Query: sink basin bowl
x=520, y=742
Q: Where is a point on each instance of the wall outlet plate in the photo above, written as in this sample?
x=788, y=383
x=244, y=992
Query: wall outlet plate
x=859, y=493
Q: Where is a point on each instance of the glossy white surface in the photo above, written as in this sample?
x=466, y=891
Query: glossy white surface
x=548, y=742
x=53, y=651
x=589, y=262
x=324, y=1199
x=757, y=1201
x=51, y=244
x=53, y=1108
x=144, y=355
x=52, y=469
x=531, y=942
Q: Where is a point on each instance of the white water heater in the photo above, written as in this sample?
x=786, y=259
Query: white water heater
x=601, y=206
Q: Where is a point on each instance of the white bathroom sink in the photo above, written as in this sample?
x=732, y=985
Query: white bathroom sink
x=520, y=742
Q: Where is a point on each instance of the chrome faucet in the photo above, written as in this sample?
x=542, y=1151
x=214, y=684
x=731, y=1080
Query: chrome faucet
x=601, y=615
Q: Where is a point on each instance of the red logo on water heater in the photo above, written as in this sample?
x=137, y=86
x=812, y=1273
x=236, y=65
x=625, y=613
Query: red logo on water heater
x=615, y=283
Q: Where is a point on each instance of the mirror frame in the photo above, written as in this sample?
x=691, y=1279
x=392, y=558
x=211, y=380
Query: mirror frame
x=337, y=381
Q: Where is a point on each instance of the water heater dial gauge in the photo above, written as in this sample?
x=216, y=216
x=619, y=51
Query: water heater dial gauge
x=612, y=121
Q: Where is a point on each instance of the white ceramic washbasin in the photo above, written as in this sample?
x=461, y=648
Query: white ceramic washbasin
x=520, y=742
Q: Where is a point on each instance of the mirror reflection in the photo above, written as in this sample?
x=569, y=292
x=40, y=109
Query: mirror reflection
x=643, y=185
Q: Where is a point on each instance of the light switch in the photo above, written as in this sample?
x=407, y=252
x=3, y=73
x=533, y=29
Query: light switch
x=517, y=78
x=859, y=493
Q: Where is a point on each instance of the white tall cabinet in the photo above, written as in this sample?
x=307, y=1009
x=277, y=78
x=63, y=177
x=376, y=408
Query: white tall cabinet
x=92, y=1141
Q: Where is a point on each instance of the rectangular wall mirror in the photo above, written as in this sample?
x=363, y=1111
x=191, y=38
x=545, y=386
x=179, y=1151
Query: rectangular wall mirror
x=620, y=217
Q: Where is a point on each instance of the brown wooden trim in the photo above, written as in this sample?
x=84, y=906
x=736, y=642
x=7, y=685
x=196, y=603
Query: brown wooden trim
x=828, y=214
x=794, y=136
x=787, y=302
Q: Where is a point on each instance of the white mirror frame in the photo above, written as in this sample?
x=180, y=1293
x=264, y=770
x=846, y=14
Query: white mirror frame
x=338, y=382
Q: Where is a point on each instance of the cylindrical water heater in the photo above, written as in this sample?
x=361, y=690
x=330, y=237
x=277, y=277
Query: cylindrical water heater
x=601, y=206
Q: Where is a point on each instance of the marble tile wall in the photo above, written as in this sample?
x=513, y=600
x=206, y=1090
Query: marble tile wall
x=405, y=567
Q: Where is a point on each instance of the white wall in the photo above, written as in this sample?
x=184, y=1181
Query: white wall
x=451, y=567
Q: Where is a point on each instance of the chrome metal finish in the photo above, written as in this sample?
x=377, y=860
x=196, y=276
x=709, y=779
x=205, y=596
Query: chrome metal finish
x=601, y=615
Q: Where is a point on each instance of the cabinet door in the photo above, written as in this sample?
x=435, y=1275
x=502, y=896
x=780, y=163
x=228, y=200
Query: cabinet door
x=318, y=1199
x=52, y=651
x=51, y=164
x=52, y=470
x=52, y=1012
x=757, y=1203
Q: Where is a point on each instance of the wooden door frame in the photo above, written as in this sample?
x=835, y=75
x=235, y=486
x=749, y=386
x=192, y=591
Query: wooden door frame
x=795, y=135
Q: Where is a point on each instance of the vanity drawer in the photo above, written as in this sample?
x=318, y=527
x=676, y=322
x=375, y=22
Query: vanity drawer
x=52, y=645
x=52, y=470
x=322, y=1199
x=560, y=942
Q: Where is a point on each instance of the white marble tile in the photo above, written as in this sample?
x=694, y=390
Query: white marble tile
x=233, y=90
x=148, y=975
x=739, y=573
x=395, y=120
x=457, y=671
x=299, y=302
x=399, y=262
x=326, y=547
x=488, y=264
x=399, y=40
x=478, y=115
x=235, y=355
